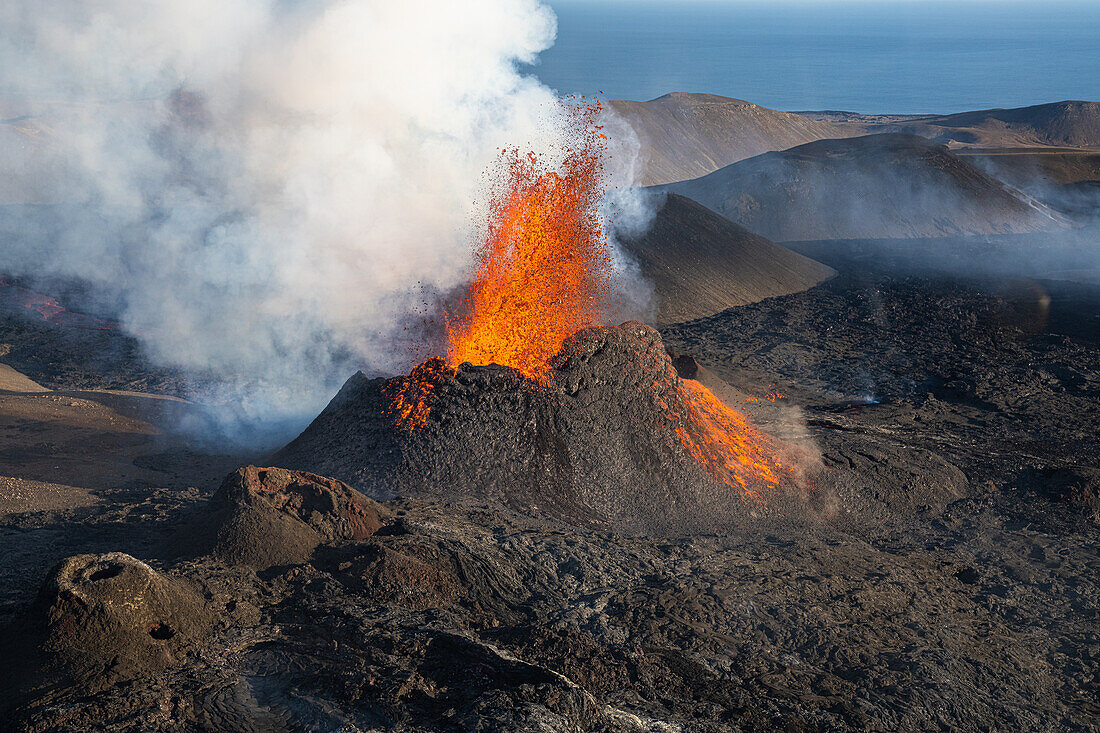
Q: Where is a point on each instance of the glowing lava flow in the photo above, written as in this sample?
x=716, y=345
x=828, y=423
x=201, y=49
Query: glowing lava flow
x=50, y=310
x=723, y=441
x=544, y=268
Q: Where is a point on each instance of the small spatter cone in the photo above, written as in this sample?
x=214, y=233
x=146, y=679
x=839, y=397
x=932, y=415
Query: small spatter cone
x=267, y=517
x=101, y=619
x=612, y=437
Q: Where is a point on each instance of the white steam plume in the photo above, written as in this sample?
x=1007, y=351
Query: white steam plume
x=268, y=188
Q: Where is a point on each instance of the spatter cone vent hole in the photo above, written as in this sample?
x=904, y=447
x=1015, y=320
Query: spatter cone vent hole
x=161, y=632
x=111, y=571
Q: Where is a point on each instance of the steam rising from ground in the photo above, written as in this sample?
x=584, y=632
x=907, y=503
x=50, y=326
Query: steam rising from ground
x=268, y=188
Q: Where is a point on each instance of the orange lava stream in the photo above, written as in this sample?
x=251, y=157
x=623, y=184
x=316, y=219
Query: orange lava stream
x=723, y=441
x=543, y=270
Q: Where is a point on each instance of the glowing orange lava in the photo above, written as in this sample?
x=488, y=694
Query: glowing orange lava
x=409, y=397
x=723, y=441
x=544, y=268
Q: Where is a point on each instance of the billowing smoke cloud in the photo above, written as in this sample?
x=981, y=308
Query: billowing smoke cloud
x=266, y=188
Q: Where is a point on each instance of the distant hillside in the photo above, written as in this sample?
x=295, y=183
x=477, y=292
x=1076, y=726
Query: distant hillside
x=1072, y=124
x=701, y=263
x=1069, y=124
x=689, y=135
x=875, y=186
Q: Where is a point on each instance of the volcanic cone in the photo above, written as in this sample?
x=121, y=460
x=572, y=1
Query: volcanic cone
x=264, y=517
x=100, y=619
x=611, y=437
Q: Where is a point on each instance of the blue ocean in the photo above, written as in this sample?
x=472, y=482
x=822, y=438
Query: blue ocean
x=897, y=56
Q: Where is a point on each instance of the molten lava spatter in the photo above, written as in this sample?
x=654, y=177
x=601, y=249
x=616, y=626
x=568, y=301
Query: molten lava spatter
x=544, y=268
x=409, y=397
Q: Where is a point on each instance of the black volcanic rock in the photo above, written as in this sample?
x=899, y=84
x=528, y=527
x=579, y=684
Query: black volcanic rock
x=876, y=186
x=701, y=263
x=464, y=615
x=871, y=474
x=1077, y=486
x=599, y=446
x=264, y=517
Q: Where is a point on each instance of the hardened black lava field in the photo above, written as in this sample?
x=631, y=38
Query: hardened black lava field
x=944, y=578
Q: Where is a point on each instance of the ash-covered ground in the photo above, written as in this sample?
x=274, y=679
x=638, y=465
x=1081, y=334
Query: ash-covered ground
x=950, y=582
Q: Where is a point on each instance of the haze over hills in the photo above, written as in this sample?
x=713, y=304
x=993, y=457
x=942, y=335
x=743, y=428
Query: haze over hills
x=687, y=135
x=1028, y=168
x=701, y=263
x=875, y=186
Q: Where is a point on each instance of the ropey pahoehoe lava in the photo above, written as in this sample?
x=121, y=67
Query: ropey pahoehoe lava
x=537, y=402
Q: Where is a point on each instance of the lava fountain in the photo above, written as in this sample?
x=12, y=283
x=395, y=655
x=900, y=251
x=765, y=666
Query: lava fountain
x=544, y=274
x=544, y=267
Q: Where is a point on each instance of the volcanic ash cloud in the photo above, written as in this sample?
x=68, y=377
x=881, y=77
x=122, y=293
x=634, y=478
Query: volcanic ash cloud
x=266, y=189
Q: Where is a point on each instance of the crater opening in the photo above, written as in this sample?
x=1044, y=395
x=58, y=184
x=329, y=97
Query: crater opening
x=108, y=572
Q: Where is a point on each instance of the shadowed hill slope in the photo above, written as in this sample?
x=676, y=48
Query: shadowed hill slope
x=701, y=263
x=876, y=186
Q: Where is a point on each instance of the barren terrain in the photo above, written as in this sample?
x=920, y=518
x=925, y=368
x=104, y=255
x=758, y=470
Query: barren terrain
x=544, y=557
x=688, y=135
x=964, y=610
